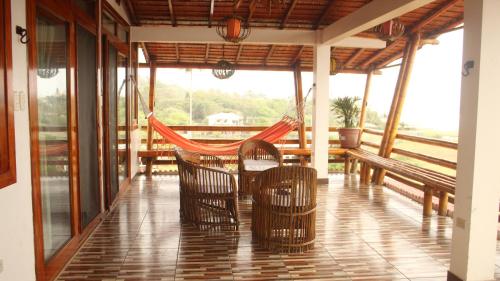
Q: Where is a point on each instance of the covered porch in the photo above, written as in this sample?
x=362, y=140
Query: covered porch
x=363, y=233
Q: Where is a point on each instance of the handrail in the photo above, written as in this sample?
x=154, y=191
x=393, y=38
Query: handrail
x=429, y=141
x=208, y=128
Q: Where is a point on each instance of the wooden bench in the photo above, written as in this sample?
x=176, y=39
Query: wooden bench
x=432, y=181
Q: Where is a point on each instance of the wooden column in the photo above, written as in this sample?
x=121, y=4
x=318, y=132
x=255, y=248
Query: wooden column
x=152, y=83
x=362, y=115
x=392, y=125
x=443, y=203
x=427, y=201
x=299, y=101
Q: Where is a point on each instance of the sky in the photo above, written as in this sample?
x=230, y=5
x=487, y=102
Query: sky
x=432, y=102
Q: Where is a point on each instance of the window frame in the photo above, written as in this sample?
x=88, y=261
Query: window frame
x=7, y=152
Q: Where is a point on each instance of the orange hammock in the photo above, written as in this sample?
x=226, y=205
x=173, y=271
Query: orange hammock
x=272, y=134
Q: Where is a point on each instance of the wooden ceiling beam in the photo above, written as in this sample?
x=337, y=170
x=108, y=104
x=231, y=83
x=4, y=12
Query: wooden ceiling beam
x=354, y=57
x=238, y=55
x=416, y=27
x=269, y=54
x=245, y=67
x=207, y=52
x=237, y=4
x=324, y=14
x=433, y=15
x=172, y=13
x=298, y=55
x=211, y=13
x=251, y=9
x=131, y=12
x=177, y=53
x=288, y=13
x=261, y=36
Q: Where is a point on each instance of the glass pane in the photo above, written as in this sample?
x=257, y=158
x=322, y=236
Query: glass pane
x=122, y=119
x=88, y=6
x=112, y=126
x=53, y=134
x=87, y=126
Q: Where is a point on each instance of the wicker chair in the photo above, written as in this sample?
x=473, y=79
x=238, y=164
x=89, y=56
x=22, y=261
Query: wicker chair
x=255, y=151
x=284, y=209
x=208, y=195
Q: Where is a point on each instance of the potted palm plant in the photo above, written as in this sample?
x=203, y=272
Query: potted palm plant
x=347, y=111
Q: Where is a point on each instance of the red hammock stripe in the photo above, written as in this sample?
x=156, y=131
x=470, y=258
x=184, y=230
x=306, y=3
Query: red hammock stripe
x=271, y=134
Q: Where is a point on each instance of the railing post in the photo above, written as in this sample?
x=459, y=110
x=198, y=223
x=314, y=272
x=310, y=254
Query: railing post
x=152, y=84
x=362, y=115
x=392, y=125
x=299, y=101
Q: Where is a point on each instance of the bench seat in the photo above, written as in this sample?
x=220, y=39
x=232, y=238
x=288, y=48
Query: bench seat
x=433, y=181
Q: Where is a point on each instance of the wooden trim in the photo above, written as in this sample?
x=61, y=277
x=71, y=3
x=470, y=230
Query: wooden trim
x=8, y=150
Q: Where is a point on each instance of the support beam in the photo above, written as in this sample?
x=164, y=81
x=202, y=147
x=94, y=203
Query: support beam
x=269, y=54
x=364, y=106
x=238, y=55
x=204, y=35
x=131, y=12
x=321, y=109
x=177, y=53
x=145, y=52
x=433, y=15
x=237, y=4
x=151, y=101
x=368, y=16
x=173, y=20
x=299, y=103
x=288, y=13
x=419, y=25
x=354, y=57
x=207, y=52
x=474, y=240
x=260, y=67
x=324, y=14
x=397, y=105
x=211, y=13
x=296, y=59
x=251, y=9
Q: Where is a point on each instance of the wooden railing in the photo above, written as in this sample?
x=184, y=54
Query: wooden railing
x=414, y=155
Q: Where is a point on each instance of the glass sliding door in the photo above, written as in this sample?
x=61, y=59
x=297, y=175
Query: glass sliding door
x=87, y=125
x=52, y=107
x=122, y=118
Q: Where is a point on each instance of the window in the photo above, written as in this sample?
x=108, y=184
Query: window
x=7, y=145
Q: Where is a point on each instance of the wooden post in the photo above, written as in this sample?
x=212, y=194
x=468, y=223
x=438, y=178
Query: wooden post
x=443, y=203
x=152, y=83
x=362, y=115
x=427, y=202
x=397, y=104
x=299, y=101
x=347, y=165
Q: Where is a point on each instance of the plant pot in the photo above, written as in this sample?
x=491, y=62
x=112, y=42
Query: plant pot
x=349, y=137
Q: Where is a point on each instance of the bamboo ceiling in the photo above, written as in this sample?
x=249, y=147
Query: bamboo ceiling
x=431, y=20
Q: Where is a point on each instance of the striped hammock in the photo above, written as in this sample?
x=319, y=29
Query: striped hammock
x=272, y=134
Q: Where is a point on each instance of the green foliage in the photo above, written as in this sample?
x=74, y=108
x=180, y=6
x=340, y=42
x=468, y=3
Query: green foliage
x=347, y=111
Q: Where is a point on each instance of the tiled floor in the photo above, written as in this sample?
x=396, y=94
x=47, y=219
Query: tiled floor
x=363, y=233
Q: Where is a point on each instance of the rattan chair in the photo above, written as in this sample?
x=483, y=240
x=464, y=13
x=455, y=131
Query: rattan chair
x=208, y=195
x=255, y=150
x=284, y=209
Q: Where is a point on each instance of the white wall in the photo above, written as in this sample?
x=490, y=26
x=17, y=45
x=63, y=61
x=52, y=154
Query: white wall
x=16, y=216
x=120, y=9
